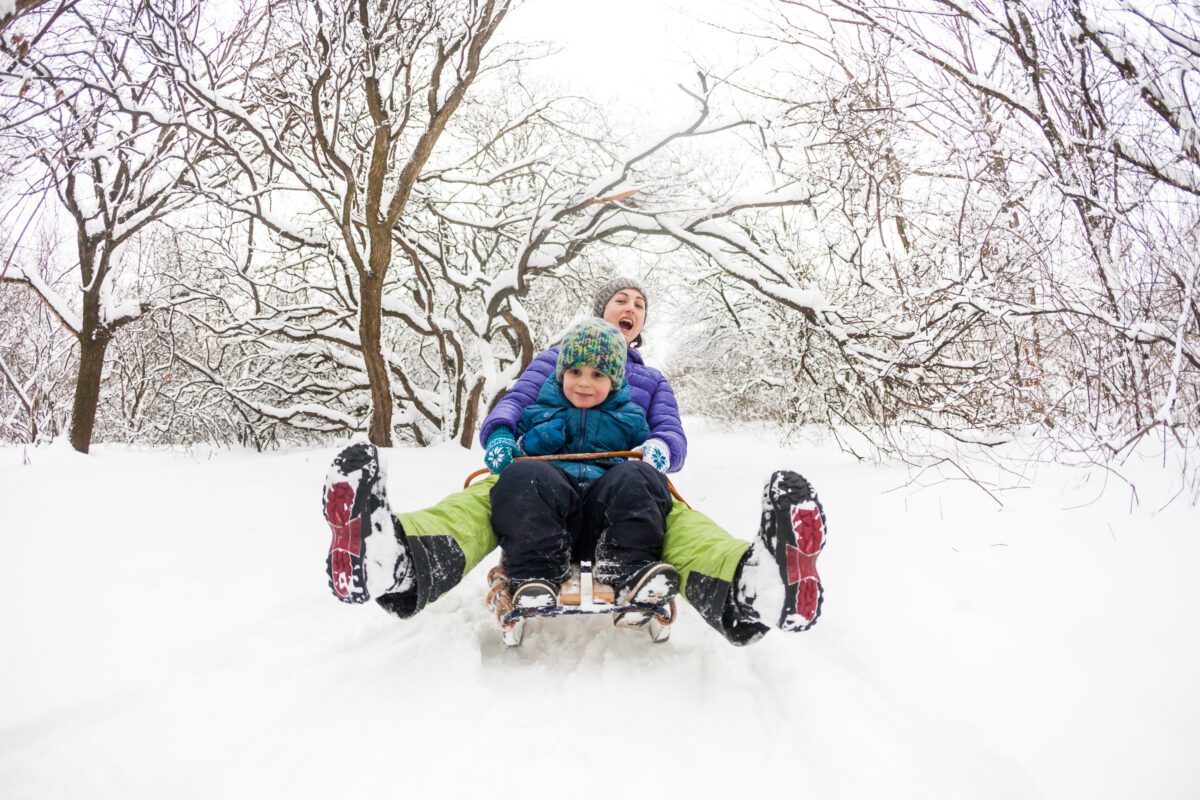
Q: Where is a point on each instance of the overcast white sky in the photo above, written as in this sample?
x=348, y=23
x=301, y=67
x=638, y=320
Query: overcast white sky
x=625, y=53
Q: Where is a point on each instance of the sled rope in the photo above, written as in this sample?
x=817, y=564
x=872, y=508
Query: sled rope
x=499, y=599
x=581, y=457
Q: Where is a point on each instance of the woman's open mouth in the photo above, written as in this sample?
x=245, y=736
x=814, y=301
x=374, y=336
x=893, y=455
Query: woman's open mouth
x=625, y=325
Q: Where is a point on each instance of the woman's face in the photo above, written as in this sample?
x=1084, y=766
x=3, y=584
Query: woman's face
x=627, y=310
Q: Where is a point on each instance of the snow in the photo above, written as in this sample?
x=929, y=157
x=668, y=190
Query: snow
x=112, y=313
x=168, y=632
x=67, y=315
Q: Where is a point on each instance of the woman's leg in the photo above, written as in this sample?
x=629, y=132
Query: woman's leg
x=707, y=558
x=402, y=561
x=743, y=588
x=533, y=508
x=446, y=541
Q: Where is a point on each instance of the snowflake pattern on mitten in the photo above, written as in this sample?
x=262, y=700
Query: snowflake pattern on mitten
x=501, y=450
x=656, y=454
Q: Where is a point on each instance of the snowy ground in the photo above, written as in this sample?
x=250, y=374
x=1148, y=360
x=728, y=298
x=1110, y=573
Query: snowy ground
x=167, y=633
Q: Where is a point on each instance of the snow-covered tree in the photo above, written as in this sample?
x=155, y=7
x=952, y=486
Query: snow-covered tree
x=36, y=363
x=88, y=113
x=1002, y=221
x=331, y=112
x=404, y=192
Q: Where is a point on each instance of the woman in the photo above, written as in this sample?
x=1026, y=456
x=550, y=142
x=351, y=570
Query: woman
x=408, y=560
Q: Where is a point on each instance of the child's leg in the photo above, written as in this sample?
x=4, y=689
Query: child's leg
x=625, y=511
x=533, y=508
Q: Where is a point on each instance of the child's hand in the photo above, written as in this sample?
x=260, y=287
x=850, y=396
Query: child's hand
x=655, y=453
x=501, y=450
x=544, y=440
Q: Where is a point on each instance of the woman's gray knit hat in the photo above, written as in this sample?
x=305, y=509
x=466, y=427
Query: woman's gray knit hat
x=606, y=292
x=610, y=288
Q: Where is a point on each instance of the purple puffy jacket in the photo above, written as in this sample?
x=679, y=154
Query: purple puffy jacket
x=647, y=387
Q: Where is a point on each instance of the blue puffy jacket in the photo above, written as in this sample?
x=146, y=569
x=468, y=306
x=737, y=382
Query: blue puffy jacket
x=614, y=425
x=647, y=388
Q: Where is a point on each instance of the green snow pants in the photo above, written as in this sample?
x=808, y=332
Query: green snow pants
x=451, y=538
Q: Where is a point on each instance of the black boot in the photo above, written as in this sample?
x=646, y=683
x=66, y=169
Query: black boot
x=656, y=584
x=778, y=576
x=535, y=594
x=368, y=555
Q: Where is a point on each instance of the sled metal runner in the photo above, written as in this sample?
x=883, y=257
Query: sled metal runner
x=579, y=596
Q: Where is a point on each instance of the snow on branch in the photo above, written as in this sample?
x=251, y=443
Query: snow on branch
x=55, y=302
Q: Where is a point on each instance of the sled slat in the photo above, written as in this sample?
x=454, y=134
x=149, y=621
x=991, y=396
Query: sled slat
x=569, y=595
x=571, y=591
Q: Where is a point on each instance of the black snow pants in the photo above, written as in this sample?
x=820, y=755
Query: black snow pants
x=544, y=518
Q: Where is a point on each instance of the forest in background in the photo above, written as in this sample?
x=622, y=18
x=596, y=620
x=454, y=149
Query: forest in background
x=268, y=223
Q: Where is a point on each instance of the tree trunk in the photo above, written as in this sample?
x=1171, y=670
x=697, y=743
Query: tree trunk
x=92, y=347
x=370, y=331
x=472, y=415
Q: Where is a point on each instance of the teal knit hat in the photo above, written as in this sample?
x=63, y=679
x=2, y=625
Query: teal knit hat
x=594, y=343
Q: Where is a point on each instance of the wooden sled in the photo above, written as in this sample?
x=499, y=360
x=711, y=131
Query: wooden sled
x=579, y=595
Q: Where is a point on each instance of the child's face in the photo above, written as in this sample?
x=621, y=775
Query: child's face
x=586, y=387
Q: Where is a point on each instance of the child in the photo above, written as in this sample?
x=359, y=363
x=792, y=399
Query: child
x=547, y=513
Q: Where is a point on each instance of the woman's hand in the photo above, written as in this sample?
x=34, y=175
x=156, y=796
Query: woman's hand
x=655, y=453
